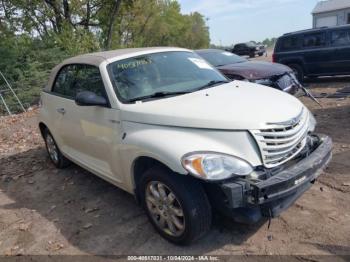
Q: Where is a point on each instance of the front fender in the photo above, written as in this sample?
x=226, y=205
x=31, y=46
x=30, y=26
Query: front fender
x=168, y=144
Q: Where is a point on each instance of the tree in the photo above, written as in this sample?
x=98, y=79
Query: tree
x=38, y=34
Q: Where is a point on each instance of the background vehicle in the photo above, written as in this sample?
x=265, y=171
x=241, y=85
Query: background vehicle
x=164, y=125
x=248, y=48
x=315, y=52
x=261, y=49
x=265, y=73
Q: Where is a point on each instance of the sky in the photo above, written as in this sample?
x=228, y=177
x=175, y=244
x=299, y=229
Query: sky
x=233, y=21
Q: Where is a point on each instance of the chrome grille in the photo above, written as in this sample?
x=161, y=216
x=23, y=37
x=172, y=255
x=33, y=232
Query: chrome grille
x=280, y=142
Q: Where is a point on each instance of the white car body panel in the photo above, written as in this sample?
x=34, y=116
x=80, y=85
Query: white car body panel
x=233, y=106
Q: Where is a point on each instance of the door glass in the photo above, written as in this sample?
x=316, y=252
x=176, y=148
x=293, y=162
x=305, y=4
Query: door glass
x=315, y=40
x=64, y=80
x=340, y=37
x=88, y=78
x=290, y=43
x=76, y=78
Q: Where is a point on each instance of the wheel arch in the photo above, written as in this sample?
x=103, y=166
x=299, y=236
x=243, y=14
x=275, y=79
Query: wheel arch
x=42, y=128
x=296, y=61
x=139, y=167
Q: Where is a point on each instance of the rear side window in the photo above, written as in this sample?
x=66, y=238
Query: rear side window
x=340, y=37
x=73, y=79
x=314, y=40
x=289, y=43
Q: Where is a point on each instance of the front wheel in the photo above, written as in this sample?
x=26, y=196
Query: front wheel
x=176, y=205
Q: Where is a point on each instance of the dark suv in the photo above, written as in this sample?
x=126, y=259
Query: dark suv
x=249, y=49
x=316, y=52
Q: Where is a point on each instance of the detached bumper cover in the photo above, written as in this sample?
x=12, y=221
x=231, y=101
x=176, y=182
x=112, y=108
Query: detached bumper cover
x=272, y=196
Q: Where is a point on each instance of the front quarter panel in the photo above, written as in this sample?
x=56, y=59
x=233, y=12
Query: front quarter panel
x=168, y=145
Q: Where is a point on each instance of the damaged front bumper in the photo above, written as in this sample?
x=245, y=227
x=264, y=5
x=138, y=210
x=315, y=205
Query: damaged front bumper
x=247, y=200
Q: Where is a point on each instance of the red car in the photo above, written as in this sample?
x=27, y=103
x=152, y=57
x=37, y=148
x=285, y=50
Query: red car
x=265, y=73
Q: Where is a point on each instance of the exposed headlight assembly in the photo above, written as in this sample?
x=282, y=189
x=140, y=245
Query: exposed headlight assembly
x=215, y=166
x=264, y=82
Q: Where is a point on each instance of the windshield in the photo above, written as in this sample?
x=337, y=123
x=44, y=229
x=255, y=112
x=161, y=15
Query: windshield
x=166, y=72
x=222, y=58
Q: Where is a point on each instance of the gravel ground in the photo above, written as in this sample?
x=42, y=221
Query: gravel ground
x=49, y=211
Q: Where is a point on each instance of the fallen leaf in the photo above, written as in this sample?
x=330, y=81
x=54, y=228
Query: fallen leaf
x=52, y=208
x=89, y=210
x=87, y=226
x=23, y=227
x=30, y=181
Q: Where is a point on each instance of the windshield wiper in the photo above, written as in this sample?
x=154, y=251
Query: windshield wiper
x=158, y=95
x=212, y=83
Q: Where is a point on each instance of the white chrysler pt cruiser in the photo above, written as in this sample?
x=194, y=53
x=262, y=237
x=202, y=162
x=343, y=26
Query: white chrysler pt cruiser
x=164, y=125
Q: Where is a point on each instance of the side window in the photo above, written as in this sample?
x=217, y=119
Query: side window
x=340, y=37
x=88, y=78
x=315, y=40
x=64, y=80
x=76, y=78
x=290, y=43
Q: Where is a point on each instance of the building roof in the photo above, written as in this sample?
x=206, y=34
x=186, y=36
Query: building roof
x=330, y=5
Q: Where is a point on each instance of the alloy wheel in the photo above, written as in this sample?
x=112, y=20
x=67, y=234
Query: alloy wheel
x=165, y=209
x=52, y=148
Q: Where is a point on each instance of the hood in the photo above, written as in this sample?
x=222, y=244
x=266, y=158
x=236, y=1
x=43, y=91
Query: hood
x=253, y=70
x=236, y=105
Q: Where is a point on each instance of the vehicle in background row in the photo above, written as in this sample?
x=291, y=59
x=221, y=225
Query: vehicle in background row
x=315, y=52
x=262, y=49
x=167, y=127
x=250, y=49
x=265, y=73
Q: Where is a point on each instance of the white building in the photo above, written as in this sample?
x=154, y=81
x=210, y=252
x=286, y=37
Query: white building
x=331, y=13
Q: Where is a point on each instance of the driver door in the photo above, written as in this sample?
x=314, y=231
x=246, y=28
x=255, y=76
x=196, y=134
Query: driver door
x=90, y=133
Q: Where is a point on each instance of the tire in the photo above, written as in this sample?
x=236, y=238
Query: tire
x=252, y=55
x=298, y=70
x=55, y=155
x=188, y=199
x=261, y=54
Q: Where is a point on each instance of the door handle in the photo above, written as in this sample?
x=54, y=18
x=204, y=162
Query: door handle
x=61, y=111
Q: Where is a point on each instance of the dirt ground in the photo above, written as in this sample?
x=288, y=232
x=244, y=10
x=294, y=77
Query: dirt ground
x=48, y=211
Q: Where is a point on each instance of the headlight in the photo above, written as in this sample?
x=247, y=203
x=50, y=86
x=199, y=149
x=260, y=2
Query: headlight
x=264, y=82
x=312, y=122
x=215, y=166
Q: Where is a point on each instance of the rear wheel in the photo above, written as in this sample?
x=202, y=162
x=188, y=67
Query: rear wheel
x=176, y=205
x=59, y=160
x=298, y=70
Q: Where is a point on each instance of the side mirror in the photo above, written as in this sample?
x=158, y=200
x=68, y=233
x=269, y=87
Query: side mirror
x=87, y=98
